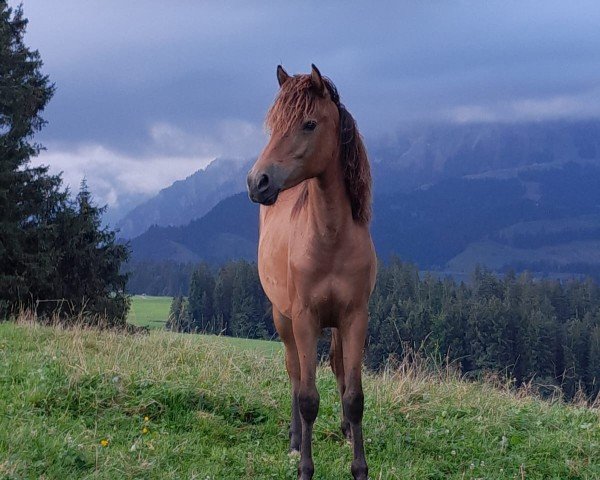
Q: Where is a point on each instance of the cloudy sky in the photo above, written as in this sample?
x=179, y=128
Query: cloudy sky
x=149, y=91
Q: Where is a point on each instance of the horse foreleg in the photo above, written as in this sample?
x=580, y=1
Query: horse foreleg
x=292, y=365
x=353, y=335
x=306, y=333
x=336, y=359
x=293, y=368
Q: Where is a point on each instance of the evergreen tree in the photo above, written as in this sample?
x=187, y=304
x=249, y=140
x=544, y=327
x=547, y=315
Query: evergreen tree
x=594, y=363
x=29, y=197
x=179, y=319
x=55, y=257
x=174, y=314
x=222, y=298
x=249, y=309
x=89, y=259
x=200, y=300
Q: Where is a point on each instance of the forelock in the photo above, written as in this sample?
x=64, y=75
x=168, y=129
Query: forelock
x=295, y=101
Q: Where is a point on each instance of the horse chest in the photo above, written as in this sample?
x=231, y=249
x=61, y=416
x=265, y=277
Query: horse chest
x=320, y=283
x=301, y=269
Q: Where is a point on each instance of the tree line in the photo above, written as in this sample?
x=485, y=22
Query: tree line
x=56, y=258
x=229, y=301
x=159, y=278
x=529, y=329
x=524, y=328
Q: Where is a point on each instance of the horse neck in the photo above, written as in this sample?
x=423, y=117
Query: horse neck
x=328, y=204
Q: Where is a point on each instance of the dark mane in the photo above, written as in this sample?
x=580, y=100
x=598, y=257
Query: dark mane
x=295, y=102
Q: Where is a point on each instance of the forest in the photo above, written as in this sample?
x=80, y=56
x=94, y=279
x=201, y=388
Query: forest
x=542, y=331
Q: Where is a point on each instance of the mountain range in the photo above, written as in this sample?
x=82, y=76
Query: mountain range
x=446, y=196
x=187, y=199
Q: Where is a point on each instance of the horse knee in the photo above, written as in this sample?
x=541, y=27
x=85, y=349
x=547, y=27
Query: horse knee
x=308, y=401
x=354, y=404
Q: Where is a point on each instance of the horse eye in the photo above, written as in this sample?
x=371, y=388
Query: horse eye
x=310, y=125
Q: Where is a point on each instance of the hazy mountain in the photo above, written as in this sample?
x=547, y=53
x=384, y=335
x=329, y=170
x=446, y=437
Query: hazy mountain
x=229, y=230
x=188, y=199
x=425, y=155
x=402, y=162
x=526, y=196
x=450, y=226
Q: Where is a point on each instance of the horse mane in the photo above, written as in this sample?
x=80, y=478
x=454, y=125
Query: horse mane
x=296, y=101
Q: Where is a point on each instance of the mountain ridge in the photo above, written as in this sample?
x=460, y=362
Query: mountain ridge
x=442, y=224
x=187, y=199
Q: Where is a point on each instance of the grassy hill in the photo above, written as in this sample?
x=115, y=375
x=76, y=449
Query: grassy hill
x=88, y=404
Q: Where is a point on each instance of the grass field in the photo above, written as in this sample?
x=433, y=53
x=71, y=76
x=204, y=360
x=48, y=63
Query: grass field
x=147, y=311
x=99, y=405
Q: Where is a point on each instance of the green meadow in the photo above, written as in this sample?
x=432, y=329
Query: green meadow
x=88, y=404
x=148, y=311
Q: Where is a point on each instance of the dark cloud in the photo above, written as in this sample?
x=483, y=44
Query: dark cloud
x=124, y=68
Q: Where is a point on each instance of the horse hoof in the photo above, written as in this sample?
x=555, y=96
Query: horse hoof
x=306, y=472
x=359, y=471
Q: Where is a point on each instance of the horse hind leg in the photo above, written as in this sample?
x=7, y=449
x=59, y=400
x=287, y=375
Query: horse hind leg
x=336, y=359
x=292, y=365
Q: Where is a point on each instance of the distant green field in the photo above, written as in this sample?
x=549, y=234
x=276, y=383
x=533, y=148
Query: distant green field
x=152, y=312
x=147, y=311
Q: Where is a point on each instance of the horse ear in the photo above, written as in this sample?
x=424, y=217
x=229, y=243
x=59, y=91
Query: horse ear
x=317, y=81
x=282, y=75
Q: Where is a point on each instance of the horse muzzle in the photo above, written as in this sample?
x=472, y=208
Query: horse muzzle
x=262, y=188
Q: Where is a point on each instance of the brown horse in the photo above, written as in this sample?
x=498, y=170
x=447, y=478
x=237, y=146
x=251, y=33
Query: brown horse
x=316, y=259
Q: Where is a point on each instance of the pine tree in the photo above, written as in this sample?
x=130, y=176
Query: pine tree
x=179, y=320
x=594, y=363
x=29, y=197
x=89, y=260
x=174, y=313
x=249, y=307
x=55, y=257
x=200, y=300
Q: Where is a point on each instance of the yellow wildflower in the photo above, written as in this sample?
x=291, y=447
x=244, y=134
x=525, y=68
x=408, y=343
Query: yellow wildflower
x=104, y=442
x=145, y=430
x=146, y=418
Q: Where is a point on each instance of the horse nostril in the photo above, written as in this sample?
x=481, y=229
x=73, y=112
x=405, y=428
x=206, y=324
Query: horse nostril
x=263, y=182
